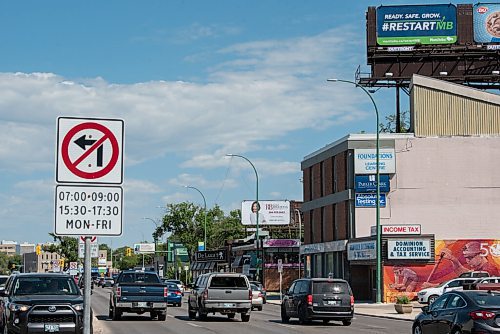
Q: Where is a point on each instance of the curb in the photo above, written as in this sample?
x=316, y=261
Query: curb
x=382, y=316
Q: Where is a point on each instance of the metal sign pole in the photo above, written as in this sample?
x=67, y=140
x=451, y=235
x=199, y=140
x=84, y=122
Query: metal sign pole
x=87, y=287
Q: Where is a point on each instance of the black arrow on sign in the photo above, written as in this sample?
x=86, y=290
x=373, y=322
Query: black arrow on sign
x=83, y=143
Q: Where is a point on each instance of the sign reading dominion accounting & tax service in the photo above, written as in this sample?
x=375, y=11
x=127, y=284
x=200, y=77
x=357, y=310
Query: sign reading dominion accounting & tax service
x=417, y=24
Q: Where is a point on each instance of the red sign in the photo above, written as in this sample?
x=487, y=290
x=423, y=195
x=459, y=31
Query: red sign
x=92, y=239
x=401, y=229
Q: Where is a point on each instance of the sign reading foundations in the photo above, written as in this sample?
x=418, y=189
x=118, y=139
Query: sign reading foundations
x=452, y=258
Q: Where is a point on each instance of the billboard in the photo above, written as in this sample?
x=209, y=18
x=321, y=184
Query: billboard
x=452, y=258
x=144, y=248
x=486, y=23
x=417, y=24
x=270, y=212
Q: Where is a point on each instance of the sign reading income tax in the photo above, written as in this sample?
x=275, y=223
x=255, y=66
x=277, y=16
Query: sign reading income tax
x=90, y=167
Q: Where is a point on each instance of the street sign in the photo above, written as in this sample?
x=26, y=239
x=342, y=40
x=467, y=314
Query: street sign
x=89, y=150
x=212, y=255
x=88, y=210
x=94, y=247
x=280, y=266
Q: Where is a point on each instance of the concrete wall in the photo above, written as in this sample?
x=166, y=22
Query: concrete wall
x=451, y=186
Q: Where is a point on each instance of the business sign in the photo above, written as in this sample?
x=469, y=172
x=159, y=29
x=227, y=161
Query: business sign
x=144, y=248
x=270, y=212
x=213, y=255
x=94, y=247
x=401, y=229
x=418, y=24
x=369, y=200
x=409, y=249
x=365, y=161
x=486, y=22
x=368, y=183
x=281, y=243
x=88, y=210
x=363, y=250
x=89, y=150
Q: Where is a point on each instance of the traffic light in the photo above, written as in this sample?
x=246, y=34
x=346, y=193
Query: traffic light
x=38, y=250
x=128, y=251
x=61, y=263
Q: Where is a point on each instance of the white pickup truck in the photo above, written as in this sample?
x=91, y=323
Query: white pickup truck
x=225, y=293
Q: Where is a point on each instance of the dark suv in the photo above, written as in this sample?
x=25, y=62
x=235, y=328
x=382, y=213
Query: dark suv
x=318, y=298
x=42, y=303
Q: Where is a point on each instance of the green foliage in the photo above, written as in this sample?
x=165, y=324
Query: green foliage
x=186, y=221
x=67, y=247
x=403, y=299
x=390, y=125
x=9, y=263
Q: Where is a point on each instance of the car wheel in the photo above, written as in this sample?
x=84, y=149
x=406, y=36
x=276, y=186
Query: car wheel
x=245, y=317
x=259, y=308
x=152, y=315
x=191, y=312
x=456, y=331
x=162, y=316
x=417, y=329
x=202, y=316
x=231, y=315
x=432, y=299
x=303, y=315
x=117, y=314
x=346, y=322
x=284, y=317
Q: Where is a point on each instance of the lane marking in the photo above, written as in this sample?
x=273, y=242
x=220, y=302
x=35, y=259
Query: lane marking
x=194, y=325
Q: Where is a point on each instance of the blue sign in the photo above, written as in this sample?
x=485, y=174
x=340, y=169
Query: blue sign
x=418, y=24
x=201, y=246
x=368, y=183
x=369, y=200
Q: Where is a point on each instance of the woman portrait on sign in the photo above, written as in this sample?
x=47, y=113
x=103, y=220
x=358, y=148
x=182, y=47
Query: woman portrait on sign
x=253, y=214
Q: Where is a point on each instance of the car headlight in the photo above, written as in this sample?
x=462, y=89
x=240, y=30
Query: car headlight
x=78, y=307
x=19, y=307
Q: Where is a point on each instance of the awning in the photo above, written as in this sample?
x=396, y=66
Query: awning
x=210, y=265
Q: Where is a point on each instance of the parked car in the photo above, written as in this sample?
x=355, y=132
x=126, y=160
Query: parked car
x=429, y=295
x=483, y=280
x=257, y=300
x=174, y=294
x=106, y=282
x=318, y=298
x=81, y=284
x=42, y=302
x=475, y=274
x=262, y=289
x=3, y=280
x=138, y=291
x=179, y=283
x=225, y=293
x=470, y=311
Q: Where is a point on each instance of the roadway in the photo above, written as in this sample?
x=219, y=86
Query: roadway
x=266, y=321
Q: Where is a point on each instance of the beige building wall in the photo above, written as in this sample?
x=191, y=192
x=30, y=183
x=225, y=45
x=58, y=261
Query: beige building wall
x=40, y=263
x=450, y=186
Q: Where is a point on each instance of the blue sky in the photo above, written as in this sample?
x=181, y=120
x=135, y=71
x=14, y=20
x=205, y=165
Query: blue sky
x=193, y=81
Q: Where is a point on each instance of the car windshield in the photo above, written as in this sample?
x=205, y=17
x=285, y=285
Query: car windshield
x=45, y=286
x=228, y=282
x=172, y=286
x=3, y=280
x=330, y=287
x=487, y=299
x=255, y=287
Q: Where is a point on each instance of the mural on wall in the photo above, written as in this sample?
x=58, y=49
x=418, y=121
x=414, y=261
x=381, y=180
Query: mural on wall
x=453, y=258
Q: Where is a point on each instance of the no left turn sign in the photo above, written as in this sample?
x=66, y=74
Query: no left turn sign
x=89, y=150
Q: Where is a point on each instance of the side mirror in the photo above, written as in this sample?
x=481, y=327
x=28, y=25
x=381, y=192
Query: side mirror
x=425, y=309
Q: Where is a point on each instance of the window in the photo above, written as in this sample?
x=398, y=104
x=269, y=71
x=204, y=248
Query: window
x=455, y=301
x=304, y=287
x=290, y=291
x=296, y=289
x=330, y=287
x=454, y=284
x=228, y=282
x=439, y=303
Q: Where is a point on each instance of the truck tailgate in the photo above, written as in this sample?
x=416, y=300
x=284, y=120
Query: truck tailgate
x=149, y=292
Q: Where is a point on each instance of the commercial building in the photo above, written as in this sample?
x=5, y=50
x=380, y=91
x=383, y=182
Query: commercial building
x=8, y=247
x=440, y=193
x=25, y=248
x=41, y=263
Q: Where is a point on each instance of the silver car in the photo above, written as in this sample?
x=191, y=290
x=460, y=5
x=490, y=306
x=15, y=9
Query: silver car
x=257, y=298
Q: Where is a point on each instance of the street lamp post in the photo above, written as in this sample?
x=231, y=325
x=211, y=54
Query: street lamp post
x=155, y=241
x=205, y=204
x=377, y=225
x=257, y=214
x=300, y=239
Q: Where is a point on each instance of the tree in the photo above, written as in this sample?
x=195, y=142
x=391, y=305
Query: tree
x=390, y=125
x=67, y=247
x=186, y=221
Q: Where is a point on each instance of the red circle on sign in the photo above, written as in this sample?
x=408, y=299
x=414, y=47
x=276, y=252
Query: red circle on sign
x=107, y=135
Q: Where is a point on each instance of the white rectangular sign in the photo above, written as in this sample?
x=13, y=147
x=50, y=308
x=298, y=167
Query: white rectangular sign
x=364, y=250
x=89, y=150
x=88, y=210
x=365, y=161
x=144, y=248
x=401, y=229
x=270, y=212
x=409, y=249
x=94, y=247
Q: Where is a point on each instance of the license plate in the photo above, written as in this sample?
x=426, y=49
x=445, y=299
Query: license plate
x=142, y=304
x=228, y=305
x=333, y=302
x=49, y=328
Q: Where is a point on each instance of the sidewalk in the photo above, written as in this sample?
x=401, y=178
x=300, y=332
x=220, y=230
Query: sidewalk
x=370, y=309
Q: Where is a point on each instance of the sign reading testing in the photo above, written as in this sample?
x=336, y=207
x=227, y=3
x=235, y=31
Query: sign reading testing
x=89, y=150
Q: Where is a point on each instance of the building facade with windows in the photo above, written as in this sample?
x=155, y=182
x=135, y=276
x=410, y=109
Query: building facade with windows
x=439, y=195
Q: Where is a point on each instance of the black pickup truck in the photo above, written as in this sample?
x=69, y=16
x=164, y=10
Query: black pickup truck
x=138, y=292
x=41, y=303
